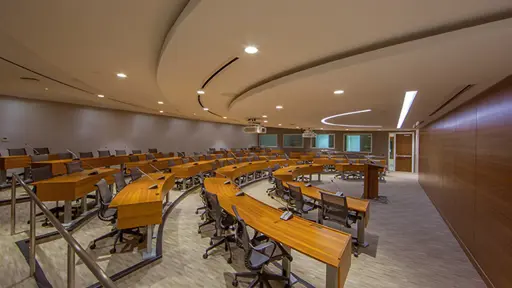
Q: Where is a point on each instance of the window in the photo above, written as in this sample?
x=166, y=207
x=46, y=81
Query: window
x=323, y=141
x=358, y=142
x=267, y=140
x=293, y=141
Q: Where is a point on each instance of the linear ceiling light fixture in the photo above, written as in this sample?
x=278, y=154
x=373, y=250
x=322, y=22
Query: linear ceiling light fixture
x=347, y=125
x=408, y=99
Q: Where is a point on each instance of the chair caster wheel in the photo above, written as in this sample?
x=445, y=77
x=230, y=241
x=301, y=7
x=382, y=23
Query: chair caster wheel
x=141, y=239
x=198, y=231
x=230, y=261
x=113, y=250
x=356, y=254
x=93, y=246
x=197, y=212
x=205, y=255
x=234, y=283
x=211, y=242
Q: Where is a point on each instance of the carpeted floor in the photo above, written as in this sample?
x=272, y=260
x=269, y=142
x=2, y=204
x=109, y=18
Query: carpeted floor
x=410, y=246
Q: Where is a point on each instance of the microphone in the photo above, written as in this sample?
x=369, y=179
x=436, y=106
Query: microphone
x=35, y=151
x=75, y=157
x=286, y=156
x=338, y=192
x=159, y=171
x=239, y=193
x=288, y=214
x=154, y=186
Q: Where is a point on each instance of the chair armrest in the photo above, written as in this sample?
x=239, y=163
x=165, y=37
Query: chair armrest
x=261, y=247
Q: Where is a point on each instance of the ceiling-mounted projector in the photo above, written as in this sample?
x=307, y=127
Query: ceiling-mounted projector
x=308, y=133
x=255, y=129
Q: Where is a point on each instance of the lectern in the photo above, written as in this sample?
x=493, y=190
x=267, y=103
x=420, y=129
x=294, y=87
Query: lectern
x=371, y=180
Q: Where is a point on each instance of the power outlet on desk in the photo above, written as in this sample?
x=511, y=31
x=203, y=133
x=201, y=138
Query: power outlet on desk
x=5, y=139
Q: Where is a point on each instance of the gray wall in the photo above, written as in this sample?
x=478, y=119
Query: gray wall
x=63, y=126
x=379, y=139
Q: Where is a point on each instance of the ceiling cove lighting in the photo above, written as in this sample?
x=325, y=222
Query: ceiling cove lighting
x=160, y=102
x=279, y=107
x=161, y=111
x=205, y=109
x=121, y=75
x=200, y=92
x=265, y=121
x=338, y=92
x=408, y=99
x=264, y=116
x=279, y=124
x=101, y=96
x=324, y=121
x=251, y=50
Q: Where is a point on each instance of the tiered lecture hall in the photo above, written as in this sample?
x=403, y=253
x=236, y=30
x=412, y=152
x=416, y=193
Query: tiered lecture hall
x=229, y=143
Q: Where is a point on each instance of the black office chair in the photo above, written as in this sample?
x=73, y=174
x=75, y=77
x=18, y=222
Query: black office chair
x=120, y=152
x=150, y=156
x=120, y=181
x=211, y=150
x=281, y=191
x=110, y=215
x=256, y=257
x=205, y=215
x=135, y=174
x=41, y=151
x=40, y=174
x=65, y=155
x=300, y=204
x=17, y=152
x=136, y=151
x=103, y=153
x=223, y=224
x=85, y=155
x=152, y=150
x=73, y=167
x=37, y=158
x=334, y=208
x=134, y=158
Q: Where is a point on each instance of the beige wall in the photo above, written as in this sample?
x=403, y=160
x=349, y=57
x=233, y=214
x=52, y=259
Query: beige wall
x=81, y=129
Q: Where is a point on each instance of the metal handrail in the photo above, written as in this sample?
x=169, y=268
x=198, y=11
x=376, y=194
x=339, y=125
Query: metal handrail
x=73, y=245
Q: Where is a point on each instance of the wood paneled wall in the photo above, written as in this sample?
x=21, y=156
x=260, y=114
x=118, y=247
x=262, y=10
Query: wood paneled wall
x=465, y=167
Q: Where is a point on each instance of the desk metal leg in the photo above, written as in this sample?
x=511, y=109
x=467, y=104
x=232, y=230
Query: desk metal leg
x=3, y=176
x=331, y=277
x=286, y=263
x=167, y=198
x=67, y=212
x=26, y=172
x=150, y=251
x=84, y=204
x=319, y=176
x=360, y=231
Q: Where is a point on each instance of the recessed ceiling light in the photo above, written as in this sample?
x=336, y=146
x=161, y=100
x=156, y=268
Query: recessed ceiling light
x=251, y=50
x=194, y=113
x=121, y=75
x=46, y=89
x=297, y=127
x=409, y=97
x=225, y=117
x=279, y=107
x=346, y=129
x=160, y=102
x=265, y=121
x=205, y=109
x=322, y=128
x=337, y=92
x=279, y=124
x=101, y=96
x=264, y=116
x=200, y=92
x=161, y=111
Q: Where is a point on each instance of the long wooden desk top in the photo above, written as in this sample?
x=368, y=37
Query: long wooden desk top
x=291, y=172
x=137, y=205
x=192, y=168
x=22, y=161
x=236, y=170
x=314, y=240
x=159, y=163
x=72, y=186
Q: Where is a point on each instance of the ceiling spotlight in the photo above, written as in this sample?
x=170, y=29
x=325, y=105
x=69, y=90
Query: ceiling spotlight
x=121, y=75
x=200, y=92
x=46, y=89
x=338, y=92
x=279, y=124
x=251, y=50
x=225, y=117
x=322, y=128
x=161, y=111
x=265, y=121
x=194, y=113
x=297, y=127
x=264, y=116
x=205, y=109
x=101, y=96
x=279, y=107
x=160, y=102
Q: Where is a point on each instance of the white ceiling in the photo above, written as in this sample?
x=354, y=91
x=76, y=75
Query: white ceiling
x=373, y=50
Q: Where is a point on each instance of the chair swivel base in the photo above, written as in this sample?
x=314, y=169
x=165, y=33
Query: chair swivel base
x=261, y=278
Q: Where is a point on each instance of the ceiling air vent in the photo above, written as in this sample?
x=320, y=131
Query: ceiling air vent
x=29, y=79
x=457, y=94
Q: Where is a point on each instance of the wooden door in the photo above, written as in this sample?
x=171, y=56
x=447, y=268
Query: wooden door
x=403, y=158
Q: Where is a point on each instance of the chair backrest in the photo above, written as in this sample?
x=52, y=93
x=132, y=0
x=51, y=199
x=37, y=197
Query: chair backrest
x=170, y=163
x=241, y=230
x=103, y=153
x=218, y=156
x=41, y=157
x=334, y=208
x=135, y=173
x=208, y=157
x=86, y=154
x=136, y=151
x=185, y=160
x=65, y=155
x=17, y=152
x=42, y=173
x=214, y=209
x=134, y=158
x=120, y=181
x=211, y=149
x=150, y=156
x=106, y=196
x=152, y=150
x=120, y=152
x=197, y=153
x=296, y=195
x=214, y=165
x=40, y=151
x=276, y=166
x=181, y=154
x=74, y=166
x=280, y=190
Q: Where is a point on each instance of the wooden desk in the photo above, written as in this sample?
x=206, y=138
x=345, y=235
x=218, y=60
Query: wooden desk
x=235, y=171
x=70, y=187
x=13, y=162
x=159, y=163
x=322, y=243
x=361, y=206
x=289, y=173
x=192, y=168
